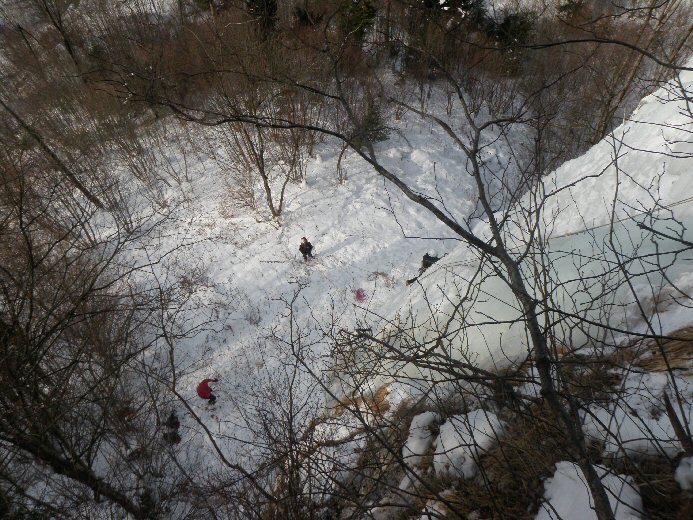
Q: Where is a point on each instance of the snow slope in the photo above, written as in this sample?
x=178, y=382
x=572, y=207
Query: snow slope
x=643, y=165
x=640, y=174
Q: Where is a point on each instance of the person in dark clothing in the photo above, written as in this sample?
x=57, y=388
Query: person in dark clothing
x=306, y=249
x=428, y=260
x=172, y=424
x=205, y=392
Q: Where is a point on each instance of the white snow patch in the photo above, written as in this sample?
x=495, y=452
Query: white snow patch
x=684, y=473
x=418, y=443
x=463, y=439
x=635, y=422
x=420, y=438
x=643, y=163
x=568, y=497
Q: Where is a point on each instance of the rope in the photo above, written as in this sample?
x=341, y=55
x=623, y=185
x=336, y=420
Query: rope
x=632, y=217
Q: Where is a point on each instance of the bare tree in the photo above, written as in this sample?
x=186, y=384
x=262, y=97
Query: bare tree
x=217, y=71
x=502, y=254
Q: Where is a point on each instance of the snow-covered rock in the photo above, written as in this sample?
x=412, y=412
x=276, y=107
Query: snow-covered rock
x=684, y=473
x=567, y=496
x=635, y=423
x=463, y=439
x=420, y=437
x=418, y=443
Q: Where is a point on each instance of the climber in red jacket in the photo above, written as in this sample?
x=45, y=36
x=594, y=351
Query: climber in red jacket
x=205, y=392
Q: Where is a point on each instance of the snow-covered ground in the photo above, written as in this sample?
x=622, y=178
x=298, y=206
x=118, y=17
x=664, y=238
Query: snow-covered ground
x=258, y=299
x=367, y=238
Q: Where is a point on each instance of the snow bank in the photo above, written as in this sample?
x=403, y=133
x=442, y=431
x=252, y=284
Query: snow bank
x=635, y=423
x=567, y=496
x=643, y=166
x=622, y=432
x=418, y=444
x=420, y=438
x=463, y=439
x=684, y=473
